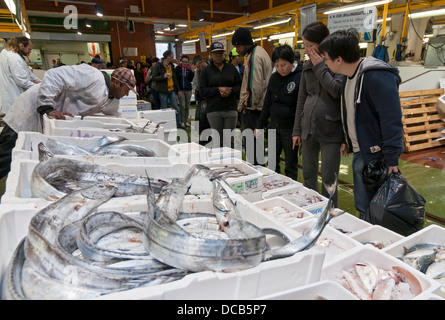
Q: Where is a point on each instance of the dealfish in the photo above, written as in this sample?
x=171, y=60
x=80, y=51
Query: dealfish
x=52, y=178
x=310, y=237
x=47, y=265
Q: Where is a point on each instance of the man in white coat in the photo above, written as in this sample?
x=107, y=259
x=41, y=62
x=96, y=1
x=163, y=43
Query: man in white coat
x=15, y=74
x=65, y=91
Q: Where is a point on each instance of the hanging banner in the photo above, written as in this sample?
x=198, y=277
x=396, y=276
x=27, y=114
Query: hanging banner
x=93, y=49
x=202, y=41
x=308, y=14
x=189, y=48
x=364, y=20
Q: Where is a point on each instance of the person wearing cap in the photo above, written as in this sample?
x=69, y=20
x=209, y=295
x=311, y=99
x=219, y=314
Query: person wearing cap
x=219, y=85
x=237, y=61
x=97, y=63
x=255, y=80
x=68, y=91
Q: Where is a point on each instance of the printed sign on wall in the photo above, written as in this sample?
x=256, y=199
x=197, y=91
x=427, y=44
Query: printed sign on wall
x=364, y=20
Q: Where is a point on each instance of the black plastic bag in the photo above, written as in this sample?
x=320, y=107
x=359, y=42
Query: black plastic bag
x=397, y=206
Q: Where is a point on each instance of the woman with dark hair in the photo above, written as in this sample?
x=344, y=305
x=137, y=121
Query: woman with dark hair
x=318, y=123
x=280, y=105
x=185, y=76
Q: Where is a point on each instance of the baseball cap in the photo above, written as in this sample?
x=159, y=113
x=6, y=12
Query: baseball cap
x=97, y=60
x=217, y=46
x=125, y=76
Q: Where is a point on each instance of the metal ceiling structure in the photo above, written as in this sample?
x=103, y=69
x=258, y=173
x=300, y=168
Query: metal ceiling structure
x=219, y=22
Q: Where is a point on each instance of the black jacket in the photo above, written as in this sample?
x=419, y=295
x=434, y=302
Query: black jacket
x=281, y=100
x=211, y=78
x=159, y=82
x=185, y=78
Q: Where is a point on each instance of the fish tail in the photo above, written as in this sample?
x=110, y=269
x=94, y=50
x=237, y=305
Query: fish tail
x=331, y=188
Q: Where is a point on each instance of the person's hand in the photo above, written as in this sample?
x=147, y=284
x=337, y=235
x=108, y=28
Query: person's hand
x=35, y=81
x=315, y=57
x=257, y=132
x=295, y=141
x=225, y=91
x=344, y=150
x=393, y=169
x=60, y=115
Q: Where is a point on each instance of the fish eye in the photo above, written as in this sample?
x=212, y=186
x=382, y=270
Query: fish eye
x=101, y=186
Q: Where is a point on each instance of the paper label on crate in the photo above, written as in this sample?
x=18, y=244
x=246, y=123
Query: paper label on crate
x=237, y=187
x=251, y=184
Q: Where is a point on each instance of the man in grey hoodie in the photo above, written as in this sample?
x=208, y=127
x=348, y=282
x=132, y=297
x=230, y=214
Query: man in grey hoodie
x=371, y=111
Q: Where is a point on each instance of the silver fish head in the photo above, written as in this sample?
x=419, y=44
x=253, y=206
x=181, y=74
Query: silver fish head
x=99, y=191
x=44, y=152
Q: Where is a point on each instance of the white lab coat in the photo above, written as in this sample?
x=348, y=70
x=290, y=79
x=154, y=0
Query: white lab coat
x=15, y=78
x=77, y=89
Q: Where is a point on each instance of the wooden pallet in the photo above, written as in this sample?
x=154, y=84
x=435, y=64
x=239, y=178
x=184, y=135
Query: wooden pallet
x=421, y=121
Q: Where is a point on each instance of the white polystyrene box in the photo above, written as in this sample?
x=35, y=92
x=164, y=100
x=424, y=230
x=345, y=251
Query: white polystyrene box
x=194, y=152
x=90, y=128
x=292, y=194
x=377, y=236
x=431, y=234
x=332, y=270
x=348, y=224
x=294, y=214
x=26, y=147
x=335, y=242
x=322, y=290
x=249, y=185
x=282, y=183
x=216, y=154
x=264, y=279
x=18, y=190
x=163, y=115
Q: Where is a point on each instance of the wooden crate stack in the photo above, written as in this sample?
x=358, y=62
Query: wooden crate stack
x=421, y=121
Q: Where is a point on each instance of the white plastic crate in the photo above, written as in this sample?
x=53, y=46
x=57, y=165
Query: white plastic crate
x=432, y=234
x=322, y=290
x=194, y=152
x=26, y=147
x=296, y=195
x=88, y=128
x=332, y=270
x=333, y=241
x=163, y=115
x=348, y=224
x=377, y=236
x=18, y=190
x=277, y=182
x=266, y=278
x=216, y=154
x=283, y=210
x=249, y=185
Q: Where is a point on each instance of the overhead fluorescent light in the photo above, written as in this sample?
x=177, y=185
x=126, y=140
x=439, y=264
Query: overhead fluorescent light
x=358, y=6
x=11, y=6
x=182, y=25
x=79, y=32
x=27, y=35
x=272, y=23
x=282, y=35
x=363, y=45
x=201, y=16
x=424, y=14
x=192, y=40
x=223, y=34
x=99, y=10
x=259, y=39
x=88, y=23
x=160, y=32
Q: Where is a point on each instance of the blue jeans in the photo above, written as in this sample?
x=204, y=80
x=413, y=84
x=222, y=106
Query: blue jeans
x=165, y=97
x=362, y=196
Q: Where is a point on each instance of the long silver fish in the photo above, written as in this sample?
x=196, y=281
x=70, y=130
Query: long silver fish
x=44, y=266
x=63, y=148
x=55, y=177
x=169, y=241
x=310, y=237
x=126, y=150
